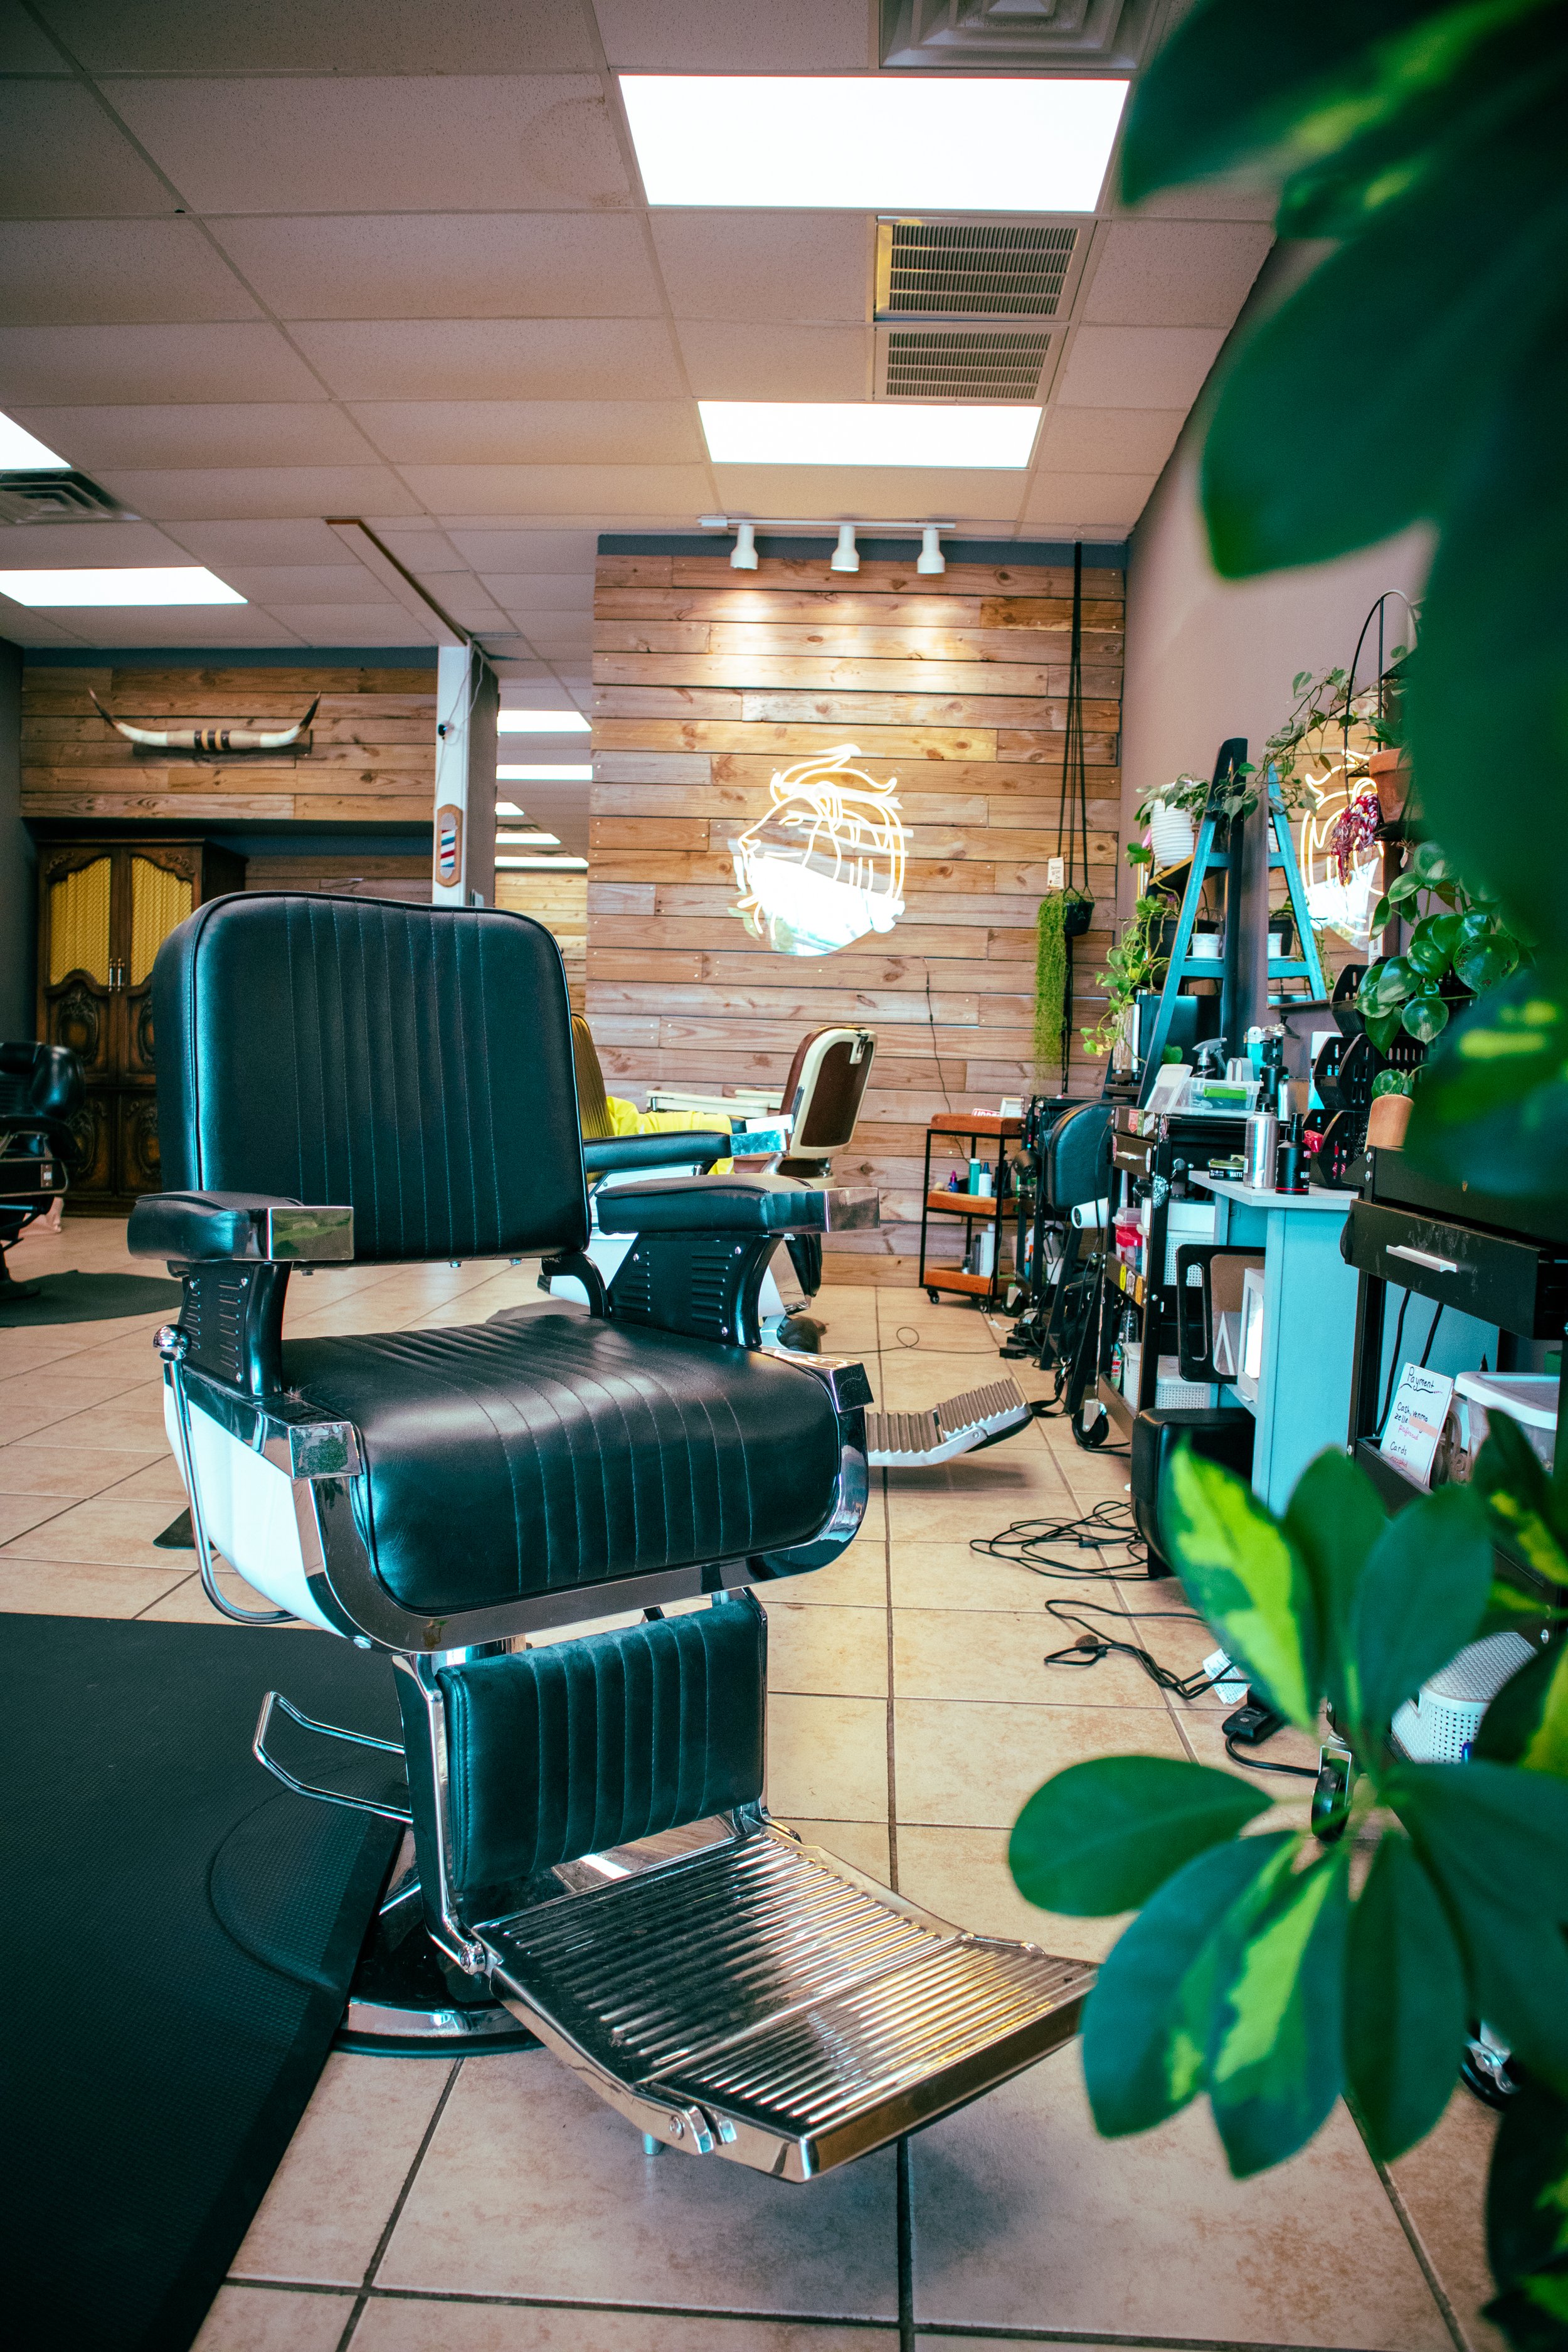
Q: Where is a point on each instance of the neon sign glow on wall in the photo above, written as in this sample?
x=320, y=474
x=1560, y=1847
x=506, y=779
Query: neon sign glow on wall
x=827, y=863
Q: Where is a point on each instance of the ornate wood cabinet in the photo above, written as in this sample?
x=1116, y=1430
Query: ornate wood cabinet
x=105, y=909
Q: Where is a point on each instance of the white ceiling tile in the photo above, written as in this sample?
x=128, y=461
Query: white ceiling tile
x=1105, y=502
x=420, y=551
x=773, y=267
x=280, y=492
x=724, y=361
x=232, y=433
x=85, y=546
x=350, y=625
x=90, y=273
x=897, y=493
x=23, y=49
x=1137, y=367
x=305, y=583
x=736, y=36
x=1205, y=203
x=541, y=592
x=492, y=359
x=1174, y=273
x=534, y=433
x=289, y=544
x=440, y=266
x=1108, y=440
x=380, y=36
x=550, y=636
x=652, y=490
x=180, y=624
x=24, y=628
x=60, y=155
x=527, y=550
x=110, y=365
x=348, y=143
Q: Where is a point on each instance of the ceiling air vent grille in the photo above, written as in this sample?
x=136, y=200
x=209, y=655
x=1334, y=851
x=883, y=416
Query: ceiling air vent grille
x=57, y=494
x=975, y=269
x=956, y=363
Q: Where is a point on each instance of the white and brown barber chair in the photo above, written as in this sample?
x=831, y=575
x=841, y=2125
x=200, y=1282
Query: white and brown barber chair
x=593, y=1856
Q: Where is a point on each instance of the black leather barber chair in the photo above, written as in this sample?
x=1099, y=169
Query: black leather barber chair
x=41, y=1093
x=592, y=1849
x=1067, y=1157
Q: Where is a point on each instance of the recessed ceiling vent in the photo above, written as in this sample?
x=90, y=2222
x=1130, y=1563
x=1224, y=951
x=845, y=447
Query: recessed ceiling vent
x=959, y=363
x=973, y=270
x=57, y=494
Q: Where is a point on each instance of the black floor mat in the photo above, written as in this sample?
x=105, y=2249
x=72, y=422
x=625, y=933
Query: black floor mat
x=178, y=1939
x=76, y=1298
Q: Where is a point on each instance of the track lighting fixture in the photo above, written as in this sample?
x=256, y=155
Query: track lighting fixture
x=845, y=557
x=932, y=558
x=744, y=555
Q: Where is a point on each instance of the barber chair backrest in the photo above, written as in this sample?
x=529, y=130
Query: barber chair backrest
x=413, y=1063
x=826, y=1085
x=1073, y=1156
x=39, y=1082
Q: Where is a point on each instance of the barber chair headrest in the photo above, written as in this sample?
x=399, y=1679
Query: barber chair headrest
x=1073, y=1156
x=825, y=1088
x=412, y=1063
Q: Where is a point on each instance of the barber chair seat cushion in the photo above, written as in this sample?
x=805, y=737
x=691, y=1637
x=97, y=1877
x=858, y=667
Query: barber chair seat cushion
x=534, y=1455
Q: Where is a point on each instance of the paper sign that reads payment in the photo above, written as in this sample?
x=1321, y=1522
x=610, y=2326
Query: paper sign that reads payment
x=1420, y=1408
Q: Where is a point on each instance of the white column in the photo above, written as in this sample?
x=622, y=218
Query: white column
x=468, y=697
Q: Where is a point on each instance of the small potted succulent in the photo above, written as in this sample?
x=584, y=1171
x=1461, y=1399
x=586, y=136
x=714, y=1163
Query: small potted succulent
x=1459, y=946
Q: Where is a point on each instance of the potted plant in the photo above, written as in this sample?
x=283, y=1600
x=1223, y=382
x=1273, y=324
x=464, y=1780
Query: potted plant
x=1136, y=963
x=1459, y=946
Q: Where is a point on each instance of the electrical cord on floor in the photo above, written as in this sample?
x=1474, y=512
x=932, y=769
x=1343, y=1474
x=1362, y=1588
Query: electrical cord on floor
x=1252, y=1762
x=1107, y=1528
x=1091, y=1645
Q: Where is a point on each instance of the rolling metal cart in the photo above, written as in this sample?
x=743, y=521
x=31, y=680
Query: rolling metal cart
x=977, y=1212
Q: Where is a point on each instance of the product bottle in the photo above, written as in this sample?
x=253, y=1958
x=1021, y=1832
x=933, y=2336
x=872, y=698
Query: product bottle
x=1291, y=1158
x=1262, y=1148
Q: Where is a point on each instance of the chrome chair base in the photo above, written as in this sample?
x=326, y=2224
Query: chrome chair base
x=405, y=2002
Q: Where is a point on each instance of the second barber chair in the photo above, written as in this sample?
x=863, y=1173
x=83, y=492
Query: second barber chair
x=593, y=1847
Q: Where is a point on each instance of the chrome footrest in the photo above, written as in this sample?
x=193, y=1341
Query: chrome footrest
x=915, y=1441
x=759, y=2000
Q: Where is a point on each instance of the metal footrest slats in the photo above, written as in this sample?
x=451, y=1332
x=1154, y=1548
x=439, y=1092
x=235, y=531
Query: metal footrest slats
x=759, y=2000
x=901, y=1440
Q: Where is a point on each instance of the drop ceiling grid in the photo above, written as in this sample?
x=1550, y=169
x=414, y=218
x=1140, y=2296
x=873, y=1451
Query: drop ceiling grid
x=407, y=186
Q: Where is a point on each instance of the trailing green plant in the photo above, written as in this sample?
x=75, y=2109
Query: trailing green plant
x=1458, y=947
x=1136, y=963
x=1421, y=141
x=1050, y=986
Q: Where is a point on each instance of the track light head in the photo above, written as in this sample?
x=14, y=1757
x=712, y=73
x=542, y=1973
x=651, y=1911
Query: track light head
x=744, y=555
x=932, y=558
x=845, y=556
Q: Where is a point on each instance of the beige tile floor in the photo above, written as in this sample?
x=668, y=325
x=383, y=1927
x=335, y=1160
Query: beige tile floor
x=495, y=2206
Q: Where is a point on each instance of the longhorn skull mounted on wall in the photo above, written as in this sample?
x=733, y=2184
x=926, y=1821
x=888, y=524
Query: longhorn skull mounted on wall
x=208, y=738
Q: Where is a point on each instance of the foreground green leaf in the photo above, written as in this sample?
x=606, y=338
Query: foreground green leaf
x=1334, y=1517
x=1276, y=2059
x=1496, y=1840
x=1527, y=1723
x=1511, y=1477
x=1492, y=1107
x=1246, y=1578
x=1419, y=1600
x=1146, y=2023
x=1102, y=1836
x=1527, y=2221
x=1405, y=2002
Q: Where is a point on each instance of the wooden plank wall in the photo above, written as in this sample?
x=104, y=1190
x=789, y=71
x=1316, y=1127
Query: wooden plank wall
x=559, y=901
x=372, y=758
x=707, y=680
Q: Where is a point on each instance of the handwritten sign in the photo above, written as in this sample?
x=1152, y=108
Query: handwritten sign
x=1416, y=1424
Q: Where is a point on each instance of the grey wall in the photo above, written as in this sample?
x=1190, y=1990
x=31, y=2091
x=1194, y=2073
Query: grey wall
x=18, y=862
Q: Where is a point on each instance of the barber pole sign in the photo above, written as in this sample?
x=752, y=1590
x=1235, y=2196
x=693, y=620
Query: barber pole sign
x=448, y=843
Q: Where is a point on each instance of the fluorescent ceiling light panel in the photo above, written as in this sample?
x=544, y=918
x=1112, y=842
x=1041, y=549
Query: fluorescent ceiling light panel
x=509, y=808
x=873, y=143
x=529, y=840
x=866, y=433
x=584, y=775
x=169, y=583
x=19, y=452
x=553, y=864
x=541, y=722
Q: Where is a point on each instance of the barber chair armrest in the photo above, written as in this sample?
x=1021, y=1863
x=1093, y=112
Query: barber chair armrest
x=202, y=1228
x=615, y=1155
x=735, y=1204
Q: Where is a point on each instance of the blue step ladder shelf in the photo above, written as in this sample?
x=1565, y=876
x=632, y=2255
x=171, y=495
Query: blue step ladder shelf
x=1205, y=861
